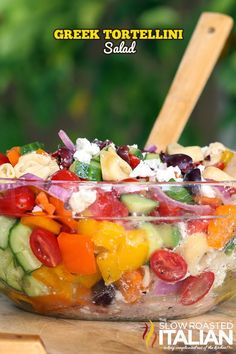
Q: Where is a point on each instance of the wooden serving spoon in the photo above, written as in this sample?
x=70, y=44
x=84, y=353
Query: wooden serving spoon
x=198, y=61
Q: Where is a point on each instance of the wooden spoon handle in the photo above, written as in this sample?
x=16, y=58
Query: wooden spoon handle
x=194, y=70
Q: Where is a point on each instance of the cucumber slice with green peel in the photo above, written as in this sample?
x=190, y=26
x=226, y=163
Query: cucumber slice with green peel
x=90, y=171
x=14, y=275
x=27, y=260
x=19, y=238
x=136, y=152
x=96, y=157
x=138, y=204
x=152, y=156
x=170, y=235
x=6, y=257
x=19, y=241
x=5, y=226
x=153, y=237
x=33, y=287
x=25, y=149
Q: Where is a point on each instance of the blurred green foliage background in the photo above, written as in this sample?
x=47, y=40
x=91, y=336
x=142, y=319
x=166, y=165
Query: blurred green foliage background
x=46, y=84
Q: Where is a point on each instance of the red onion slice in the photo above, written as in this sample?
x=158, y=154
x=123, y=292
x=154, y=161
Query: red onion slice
x=31, y=177
x=66, y=140
x=194, y=208
x=164, y=288
x=151, y=148
x=48, y=186
x=59, y=192
x=223, y=194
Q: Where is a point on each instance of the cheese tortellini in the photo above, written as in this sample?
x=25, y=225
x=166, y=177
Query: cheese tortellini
x=40, y=165
x=7, y=171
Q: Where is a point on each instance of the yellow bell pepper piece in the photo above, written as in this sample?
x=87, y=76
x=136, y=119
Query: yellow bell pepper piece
x=88, y=227
x=226, y=156
x=89, y=280
x=109, y=235
x=133, y=251
x=42, y=221
x=108, y=265
x=105, y=234
x=130, y=255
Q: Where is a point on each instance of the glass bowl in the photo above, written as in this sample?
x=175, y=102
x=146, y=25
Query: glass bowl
x=133, y=250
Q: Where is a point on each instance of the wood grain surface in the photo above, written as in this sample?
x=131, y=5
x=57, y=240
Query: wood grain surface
x=61, y=336
x=194, y=70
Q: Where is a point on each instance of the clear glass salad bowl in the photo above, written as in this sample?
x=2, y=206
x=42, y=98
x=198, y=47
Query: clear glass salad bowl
x=132, y=250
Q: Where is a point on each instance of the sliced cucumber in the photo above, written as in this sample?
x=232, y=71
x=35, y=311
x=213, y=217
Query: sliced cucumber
x=28, y=261
x=154, y=239
x=6, y=257
x=14, y=274
x=34, y=287
x=152, y=156
x=5, y=227
x=136, y=152
x=90, y=171
x=170, y=235
x=20, y=245
x=138, y=204
x=25, y=149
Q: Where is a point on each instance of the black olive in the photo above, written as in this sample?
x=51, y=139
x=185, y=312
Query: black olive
x=184, y=162
x=103, y=294
x=193, y=175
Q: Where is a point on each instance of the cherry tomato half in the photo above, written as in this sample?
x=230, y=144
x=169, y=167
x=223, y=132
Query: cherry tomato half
x=64, y=175
x=108, y=205
x=3, y=159
x=17, y=201
x=134, y=161
x=129, y=180
x=168, y=266
x=194, y=288
x=45, y=247
x=194, y=226
x=168, y=209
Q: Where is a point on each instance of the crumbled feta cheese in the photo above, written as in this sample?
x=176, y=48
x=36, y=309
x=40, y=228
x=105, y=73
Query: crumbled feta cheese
x=201, y=167
x=85, y=150
x=182, y=226
x=158, y=169
x=147, y=277
x=134, y=146
x=168, y=174
x=142, y=170
x=36, y=209
x=81, y=200
x=208, y=191
x=119, y=296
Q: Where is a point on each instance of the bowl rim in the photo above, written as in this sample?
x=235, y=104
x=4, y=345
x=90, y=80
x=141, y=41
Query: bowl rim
x=38, y=180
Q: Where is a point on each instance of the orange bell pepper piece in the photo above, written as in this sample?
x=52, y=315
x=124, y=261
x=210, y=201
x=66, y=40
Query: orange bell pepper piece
x=43, y=202
x=64, y=215
x=214, y=202
x=221, y=229
x=130, y=285
x=77, y=253
x=41, y=221
x=13, y=155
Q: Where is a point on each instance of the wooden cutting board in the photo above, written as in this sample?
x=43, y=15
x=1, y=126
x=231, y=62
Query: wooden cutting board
x=61, y=336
